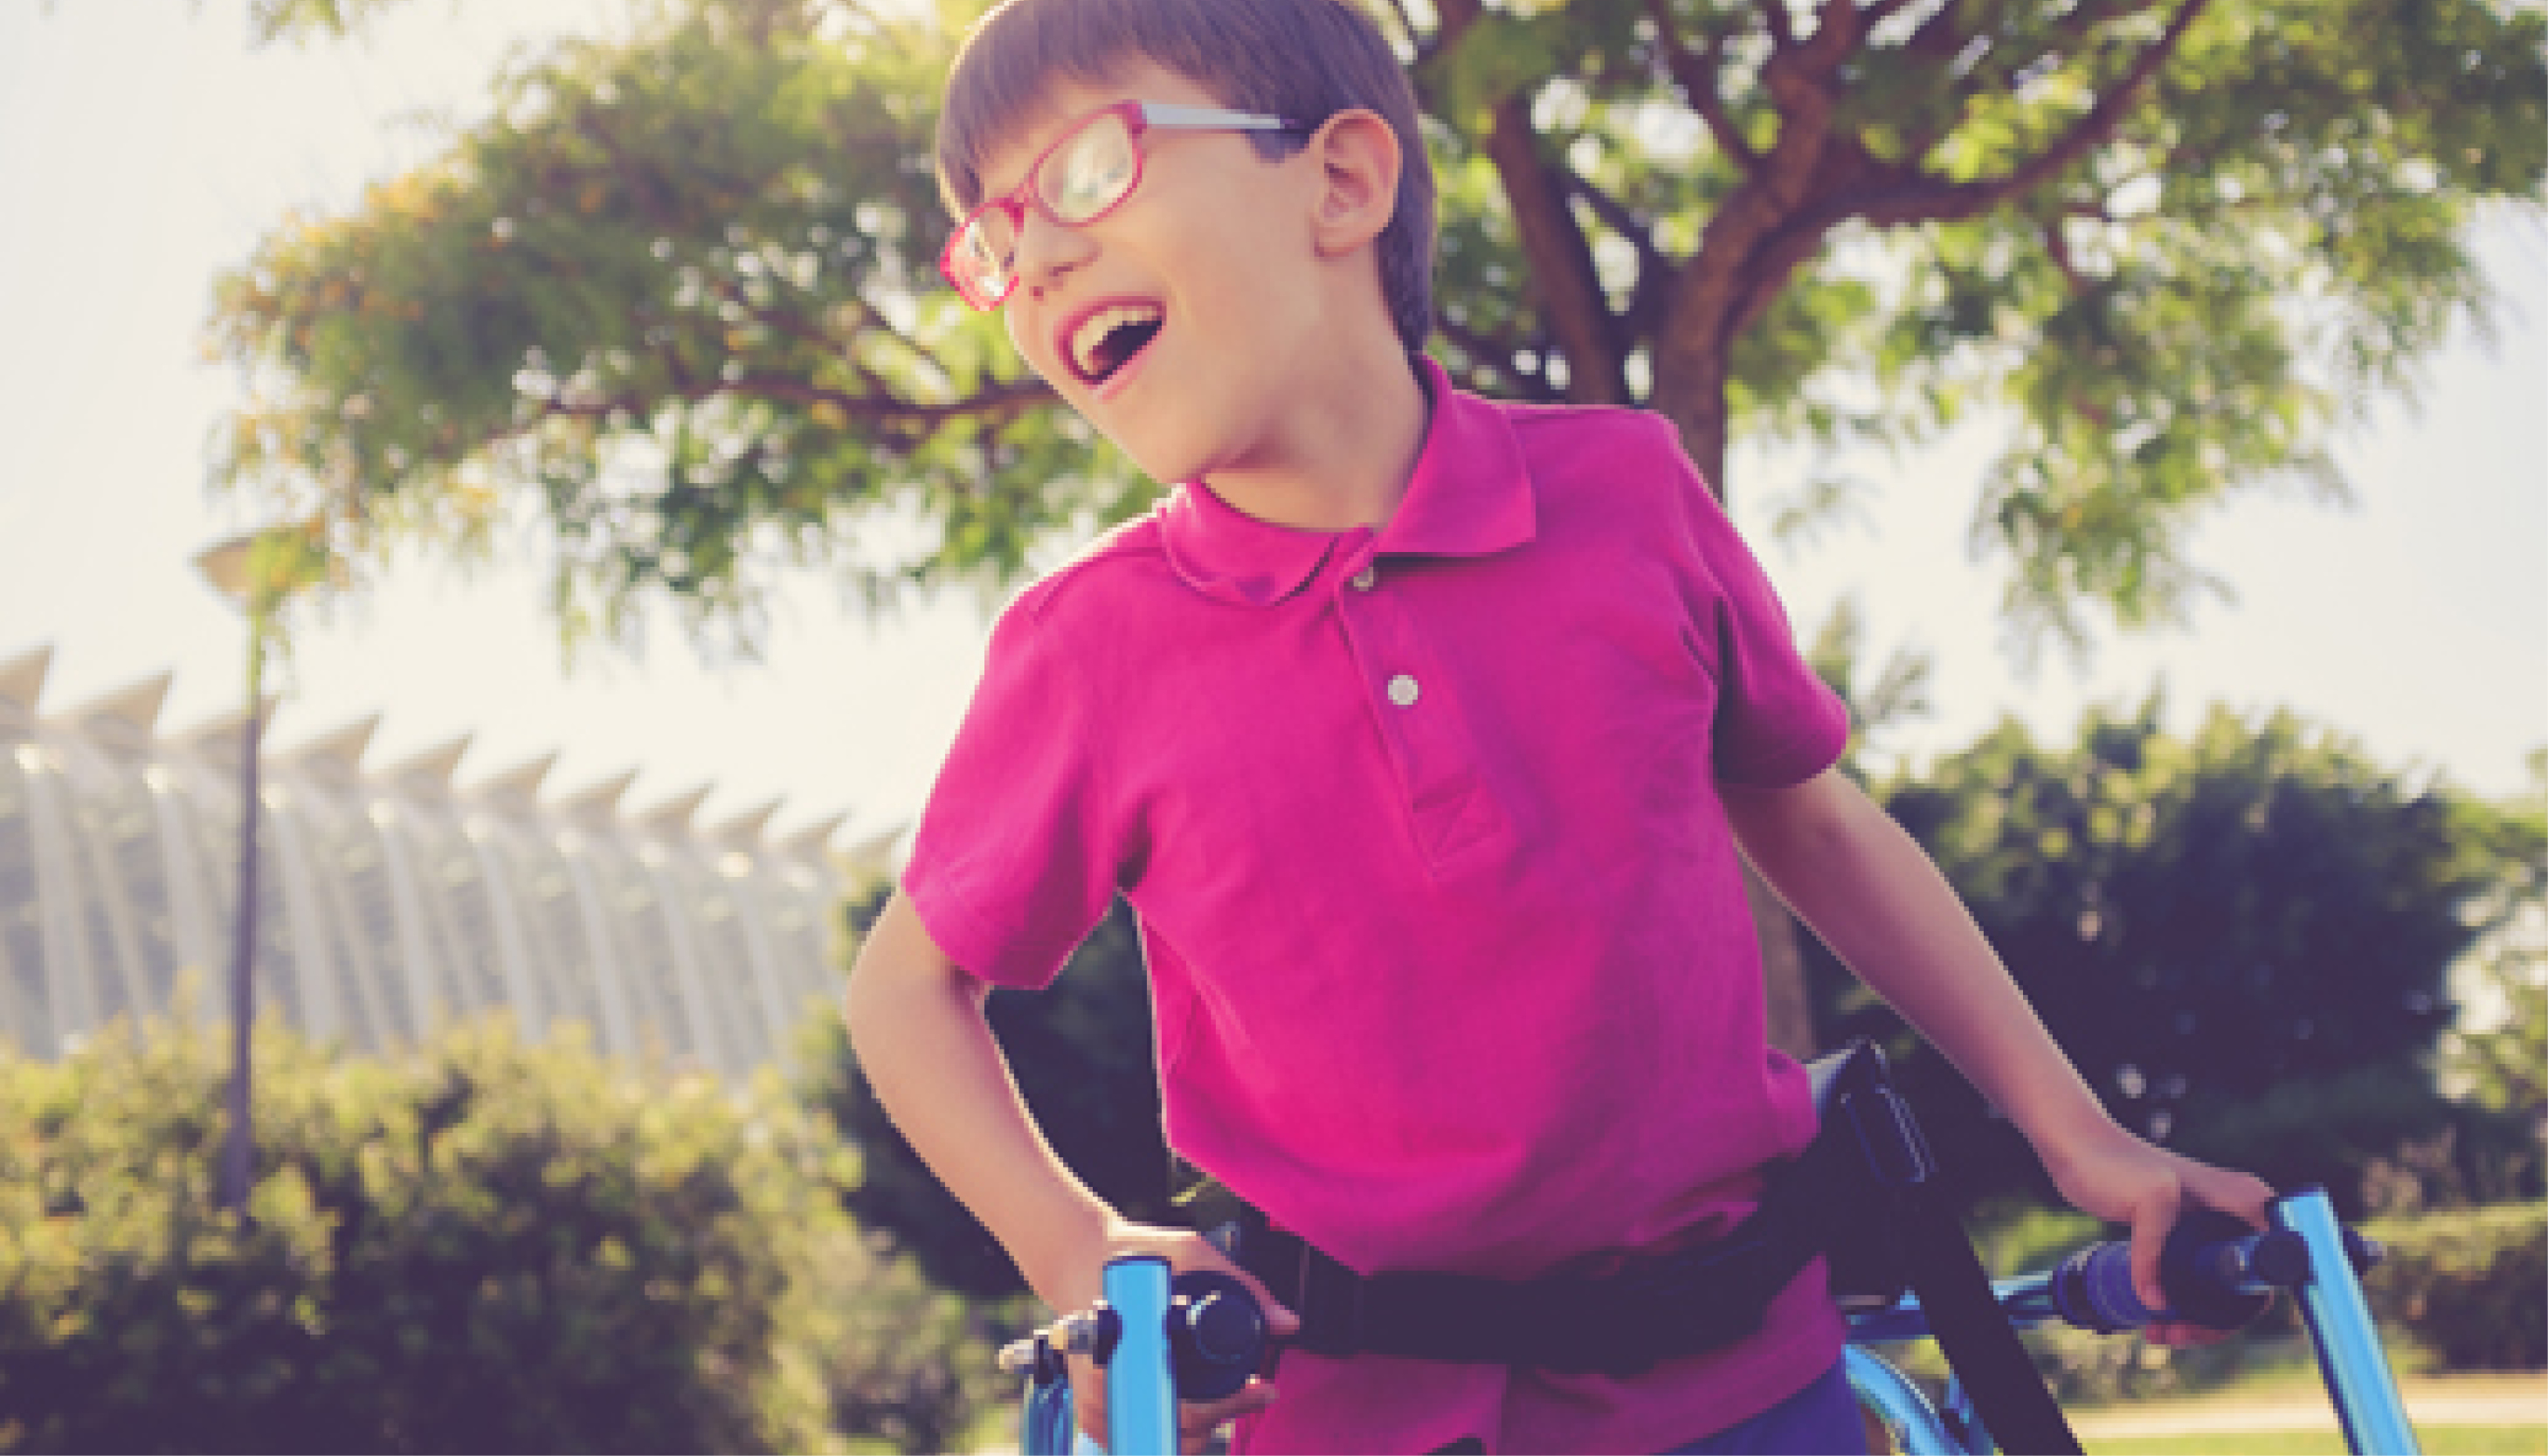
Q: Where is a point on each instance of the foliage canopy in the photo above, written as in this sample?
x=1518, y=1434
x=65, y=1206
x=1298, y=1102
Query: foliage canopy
x=676, y=293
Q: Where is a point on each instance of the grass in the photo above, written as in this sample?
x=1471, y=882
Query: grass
x=2492, y=1417
x=2437, y=1440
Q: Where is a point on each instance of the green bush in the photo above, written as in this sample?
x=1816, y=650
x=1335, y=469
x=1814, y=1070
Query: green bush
x=2470, y=1286
x=480, y=1247
x=2242, y=936
x=2461, y=1290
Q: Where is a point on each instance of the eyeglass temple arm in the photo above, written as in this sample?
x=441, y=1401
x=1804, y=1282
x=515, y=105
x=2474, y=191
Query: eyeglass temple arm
x=1172, y=113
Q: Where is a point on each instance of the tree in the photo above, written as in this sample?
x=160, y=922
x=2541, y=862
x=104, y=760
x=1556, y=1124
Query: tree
x=679, y=288
x=2245, y=931
x=2121, y=219
x=676, y=290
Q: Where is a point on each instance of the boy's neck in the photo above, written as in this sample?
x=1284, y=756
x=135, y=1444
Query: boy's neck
x=1348, y=447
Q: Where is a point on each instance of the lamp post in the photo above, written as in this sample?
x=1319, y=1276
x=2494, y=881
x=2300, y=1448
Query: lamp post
x=231, y=566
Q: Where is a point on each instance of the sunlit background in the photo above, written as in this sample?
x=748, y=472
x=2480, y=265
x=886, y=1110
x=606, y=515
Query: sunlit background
x=145, y=146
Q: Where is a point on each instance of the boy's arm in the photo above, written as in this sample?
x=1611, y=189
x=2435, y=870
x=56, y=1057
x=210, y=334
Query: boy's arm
x=915, y=1021
x=1872, y=895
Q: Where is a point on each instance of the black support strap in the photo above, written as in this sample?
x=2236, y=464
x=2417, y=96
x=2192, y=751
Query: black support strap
x=1651, y=1310
x=1870, y=1189
x=1979, y=1343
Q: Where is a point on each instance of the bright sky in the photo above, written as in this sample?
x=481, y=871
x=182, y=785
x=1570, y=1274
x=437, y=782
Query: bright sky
x=144, y=148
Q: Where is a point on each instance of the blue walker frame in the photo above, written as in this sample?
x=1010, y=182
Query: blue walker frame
x=1140, y=1399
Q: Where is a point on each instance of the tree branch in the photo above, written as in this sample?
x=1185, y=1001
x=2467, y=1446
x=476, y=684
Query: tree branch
x=1854, y=184
x=999, y=402
x=1499, y=352
x=1654, y=269
x=1407, y=22
x=1696, y=73
x=1563, y=278
x=1763, y=230
x=1775, y=258
x=785, y=323
x=2066, y=33
x=1561, y=258
x=1939, y=36
x=2058, y=248
x=1774, y=15
x=1915, y=198
x=1451, y=22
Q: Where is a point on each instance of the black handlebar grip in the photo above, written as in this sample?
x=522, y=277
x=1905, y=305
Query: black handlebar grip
x=2199, y=1268
x=2203, y=1275
x=1216, y=1335
x=2093, y=1290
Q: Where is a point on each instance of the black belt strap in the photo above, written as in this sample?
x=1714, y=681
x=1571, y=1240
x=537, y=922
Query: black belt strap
x=1653, y=1309
x=1964, y=1317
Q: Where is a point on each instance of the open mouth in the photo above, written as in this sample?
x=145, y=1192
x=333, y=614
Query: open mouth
x=1108, y=338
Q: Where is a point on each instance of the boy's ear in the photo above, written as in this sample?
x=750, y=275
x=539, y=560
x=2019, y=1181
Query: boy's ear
x=1357, y=157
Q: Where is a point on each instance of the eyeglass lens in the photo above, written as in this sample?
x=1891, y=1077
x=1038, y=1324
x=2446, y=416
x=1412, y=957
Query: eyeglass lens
x=1089, y=172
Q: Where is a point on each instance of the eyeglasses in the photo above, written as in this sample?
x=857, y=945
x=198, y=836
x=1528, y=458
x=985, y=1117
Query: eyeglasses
x=1080, y=179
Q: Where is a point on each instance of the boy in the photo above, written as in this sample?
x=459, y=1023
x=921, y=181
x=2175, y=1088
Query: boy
x=1422, y=733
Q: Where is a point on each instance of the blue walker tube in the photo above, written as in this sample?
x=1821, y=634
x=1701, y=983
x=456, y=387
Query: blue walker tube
x=1913, y=1424
x=2358, y=1379
x=1045, y=1419
x=1140, y=1402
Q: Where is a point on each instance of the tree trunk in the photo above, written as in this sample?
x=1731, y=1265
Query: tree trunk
x=1787, y=1010
x=1697, y=406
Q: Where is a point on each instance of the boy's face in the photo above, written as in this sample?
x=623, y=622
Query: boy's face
x=1215, y=248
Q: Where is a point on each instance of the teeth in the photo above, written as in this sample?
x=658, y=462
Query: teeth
x=1093, y=330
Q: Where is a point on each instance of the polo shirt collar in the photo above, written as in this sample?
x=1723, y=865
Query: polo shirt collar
x=1470, y=495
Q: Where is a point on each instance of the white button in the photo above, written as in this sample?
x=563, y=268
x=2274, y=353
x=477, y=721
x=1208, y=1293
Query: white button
x=1403, y=691
x=1362, y=580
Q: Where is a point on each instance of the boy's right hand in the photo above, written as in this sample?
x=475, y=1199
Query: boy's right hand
x=1185, y=1251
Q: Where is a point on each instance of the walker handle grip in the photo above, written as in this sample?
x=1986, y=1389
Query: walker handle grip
x=2217, y=1271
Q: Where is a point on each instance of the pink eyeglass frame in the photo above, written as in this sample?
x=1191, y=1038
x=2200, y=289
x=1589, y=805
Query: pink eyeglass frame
x=1139, y=117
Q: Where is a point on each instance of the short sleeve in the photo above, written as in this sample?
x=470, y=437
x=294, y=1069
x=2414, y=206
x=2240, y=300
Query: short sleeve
x=1015, y=863
x=1778, y=723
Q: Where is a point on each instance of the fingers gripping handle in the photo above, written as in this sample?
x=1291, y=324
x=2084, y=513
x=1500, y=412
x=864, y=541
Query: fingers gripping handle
x=1216, y=1335
x=2216, y=1271
x=1159, y=1339
x=1217, y=1338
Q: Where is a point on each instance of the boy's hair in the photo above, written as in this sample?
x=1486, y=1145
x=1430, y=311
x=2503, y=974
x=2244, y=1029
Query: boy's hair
x=1303, y=60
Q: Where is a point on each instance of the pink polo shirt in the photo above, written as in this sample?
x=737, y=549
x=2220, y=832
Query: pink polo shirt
x=1449, y=951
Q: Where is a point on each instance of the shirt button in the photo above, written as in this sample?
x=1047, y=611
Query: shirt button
x=1403, y=691
x=1362, y=580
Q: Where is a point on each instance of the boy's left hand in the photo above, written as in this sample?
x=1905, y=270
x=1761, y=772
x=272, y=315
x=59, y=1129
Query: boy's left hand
x=2123, y=1179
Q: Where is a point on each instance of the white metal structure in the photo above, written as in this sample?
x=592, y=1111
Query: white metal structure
x=391, y=902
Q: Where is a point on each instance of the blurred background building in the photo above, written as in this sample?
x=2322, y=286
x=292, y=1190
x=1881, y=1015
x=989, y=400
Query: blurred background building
x=391, y=902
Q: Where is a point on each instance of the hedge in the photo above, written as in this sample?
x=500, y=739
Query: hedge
x=2469, y=1285
x=483, y=1246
